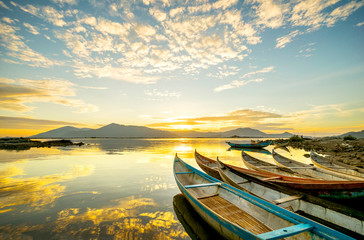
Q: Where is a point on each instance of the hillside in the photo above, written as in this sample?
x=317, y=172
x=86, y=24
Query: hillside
x=117, y=130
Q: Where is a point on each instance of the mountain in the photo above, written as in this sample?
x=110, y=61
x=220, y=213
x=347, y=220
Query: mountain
x=117, y=130
x=63, y=132
x=354, y=134
x=244, y=132
x=111, y=130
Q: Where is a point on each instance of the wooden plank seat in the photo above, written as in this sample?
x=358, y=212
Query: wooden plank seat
x=286, y=199
x=234, y=214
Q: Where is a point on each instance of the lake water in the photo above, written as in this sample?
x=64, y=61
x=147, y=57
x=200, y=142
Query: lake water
x=106, y=189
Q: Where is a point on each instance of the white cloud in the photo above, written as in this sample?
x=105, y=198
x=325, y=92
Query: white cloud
x=31, y=28
x=16, y=95
x=8, y=20
x=162, y=94
x=264, y=70
x=62, y=2
x=116, y=73
x=359, y=24
x=176, y=11
x=236, y=84
x=158, y=14
x=342, y=12
x=270, y=13
x=283, y=41
x=17, y=49
x=2, y=4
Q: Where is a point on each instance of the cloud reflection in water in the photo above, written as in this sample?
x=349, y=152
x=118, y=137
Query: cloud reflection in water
x=31, y=194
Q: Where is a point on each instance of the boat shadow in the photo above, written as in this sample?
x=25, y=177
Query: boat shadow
x=194, y=225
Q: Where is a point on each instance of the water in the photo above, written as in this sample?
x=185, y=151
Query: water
x=106, y=189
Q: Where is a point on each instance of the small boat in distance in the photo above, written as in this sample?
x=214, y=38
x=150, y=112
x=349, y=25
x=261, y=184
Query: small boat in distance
x=253, y=144
x=239, y=215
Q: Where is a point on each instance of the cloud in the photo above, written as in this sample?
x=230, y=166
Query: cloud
x=17, y=49
x=47, y=13
x=239, y=83
x=359, y=24
x=283, y=41
x=63, y=2
x=158, y=14
x=116, y=73
x=341, y=13
x=34, y=193
x=237, y=118
x=270, y=13
x=236, y=84
x=31, y=123
x=264, y=70
x=31, y=28
x=2, y=4
x=15, y=96
x=161, y=95
x=176, y=11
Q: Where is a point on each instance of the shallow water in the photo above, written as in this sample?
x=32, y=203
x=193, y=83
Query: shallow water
x=106, y=189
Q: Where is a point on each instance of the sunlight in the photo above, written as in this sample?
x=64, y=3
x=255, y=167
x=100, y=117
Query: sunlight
x=183, y=149
x=182, y=127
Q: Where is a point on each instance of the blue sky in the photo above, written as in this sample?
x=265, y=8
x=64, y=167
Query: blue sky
x=276, y=66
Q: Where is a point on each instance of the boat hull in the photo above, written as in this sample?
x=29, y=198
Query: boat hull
x=249, y=145
x=258, y=214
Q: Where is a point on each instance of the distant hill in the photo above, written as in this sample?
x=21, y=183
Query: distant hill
x=63, y=132
x=111, y=130
x=117, y=130
x=354, y=134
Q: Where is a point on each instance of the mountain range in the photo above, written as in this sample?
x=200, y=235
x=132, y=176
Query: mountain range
x=354, y=134
x=125, y=131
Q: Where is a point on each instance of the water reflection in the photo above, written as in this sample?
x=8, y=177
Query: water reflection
x=31, y=194
x=108, y=188
x=128, y=218
x=195, y=226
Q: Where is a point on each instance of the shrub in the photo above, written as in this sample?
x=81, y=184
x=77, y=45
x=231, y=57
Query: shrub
x=296, y=138
x=349, y=137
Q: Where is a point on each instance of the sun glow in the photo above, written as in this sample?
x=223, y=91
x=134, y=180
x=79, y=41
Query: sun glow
x=182, y=127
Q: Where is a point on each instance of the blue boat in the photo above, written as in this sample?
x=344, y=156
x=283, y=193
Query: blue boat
x=236, y=214
x=249, y=145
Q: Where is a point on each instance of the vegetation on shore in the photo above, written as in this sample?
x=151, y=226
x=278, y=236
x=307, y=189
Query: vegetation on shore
x=26, y=143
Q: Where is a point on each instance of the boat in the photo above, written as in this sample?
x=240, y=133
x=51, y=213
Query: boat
x=338, y=216
x=239, y=215
x=194, y=225
x=266, y=167
x=207, y=166
x=256, y=150
x=335, y=166
x=253, y=144
x=311, y=170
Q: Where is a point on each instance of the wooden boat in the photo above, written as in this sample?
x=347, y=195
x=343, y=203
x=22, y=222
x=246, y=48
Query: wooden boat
x=335, y=166
x=257, y=150
x=207, y=166
x=238, y=215
x=194, y=225
x=310, y=170
x=249, y=145
x=263, y=166
x=340, y=217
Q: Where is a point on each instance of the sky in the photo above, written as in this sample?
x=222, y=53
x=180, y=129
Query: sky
x=272, y=65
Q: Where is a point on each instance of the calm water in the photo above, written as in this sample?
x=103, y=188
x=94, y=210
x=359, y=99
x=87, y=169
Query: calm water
x=106, y=189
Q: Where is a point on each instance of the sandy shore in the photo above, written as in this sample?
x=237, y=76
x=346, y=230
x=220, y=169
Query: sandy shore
x=349, y=152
